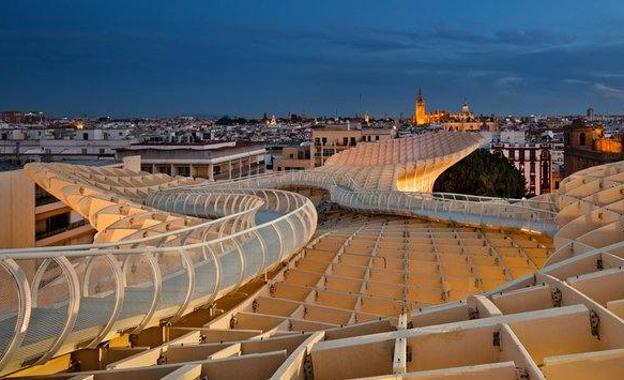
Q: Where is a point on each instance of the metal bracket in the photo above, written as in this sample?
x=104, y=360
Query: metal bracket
x=308, y=370
x=599, y=264
x=594, y=321
x=75, y=365
x=133, y=339
x=522, y=373
x=473, y=313
x=496, y=339
x=557, y=297
x=162, y=359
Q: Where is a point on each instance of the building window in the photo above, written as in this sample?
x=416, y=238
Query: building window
x=324, y=140
x=42, y=197
x=582, y=139
x=165, y=169
x=52, y=225
x=184, y=171
x=85, y=136
x=376, y=138
x=345, y=141
x=353, y=141
x=317, y=141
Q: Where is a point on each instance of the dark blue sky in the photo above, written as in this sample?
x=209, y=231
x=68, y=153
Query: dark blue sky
x=131, y=57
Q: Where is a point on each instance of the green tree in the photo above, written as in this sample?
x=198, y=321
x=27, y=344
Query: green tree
x=482, y=173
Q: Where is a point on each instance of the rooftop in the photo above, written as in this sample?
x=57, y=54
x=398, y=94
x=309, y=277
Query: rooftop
x=201, y=145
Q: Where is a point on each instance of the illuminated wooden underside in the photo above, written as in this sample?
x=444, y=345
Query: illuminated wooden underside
x=406, y=164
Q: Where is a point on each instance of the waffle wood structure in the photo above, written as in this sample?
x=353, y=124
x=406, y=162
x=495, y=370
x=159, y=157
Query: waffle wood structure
x=352, y=270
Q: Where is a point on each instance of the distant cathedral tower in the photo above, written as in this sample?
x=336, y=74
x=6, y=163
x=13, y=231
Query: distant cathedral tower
x=465, y=108
x=420, y=113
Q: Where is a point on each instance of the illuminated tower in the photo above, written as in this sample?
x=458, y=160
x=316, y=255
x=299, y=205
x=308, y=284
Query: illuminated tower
x=465, y=113
x=420, y=113
x=465, y=108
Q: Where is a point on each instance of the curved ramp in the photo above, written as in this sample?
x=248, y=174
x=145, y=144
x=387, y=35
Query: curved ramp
x=151, y=267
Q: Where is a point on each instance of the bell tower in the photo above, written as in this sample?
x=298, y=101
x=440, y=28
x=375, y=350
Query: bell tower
x=420, y=112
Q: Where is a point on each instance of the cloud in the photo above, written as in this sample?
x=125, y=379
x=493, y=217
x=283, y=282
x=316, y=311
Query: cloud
x=529, y=37
x=438, y=40
x=445, y=33
x=484, y=73
x=323, y=60
x=508, y=80
x=506, y=37
x=575, y=81
x=608, y=91
x=607, y=75
x=362, y=39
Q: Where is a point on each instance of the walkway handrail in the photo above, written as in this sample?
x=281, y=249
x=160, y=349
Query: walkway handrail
x=519, y=214
x=191, y=266
x=42, y=252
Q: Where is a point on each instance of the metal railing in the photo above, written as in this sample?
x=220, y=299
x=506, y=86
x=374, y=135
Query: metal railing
x=522, y=214
x=495, y=213
x=87, y=294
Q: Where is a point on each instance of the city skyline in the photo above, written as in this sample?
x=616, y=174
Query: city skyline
x=292, y=190
x=248, y=58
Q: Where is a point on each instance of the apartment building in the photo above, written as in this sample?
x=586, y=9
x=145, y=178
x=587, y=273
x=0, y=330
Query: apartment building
x=214, y=160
